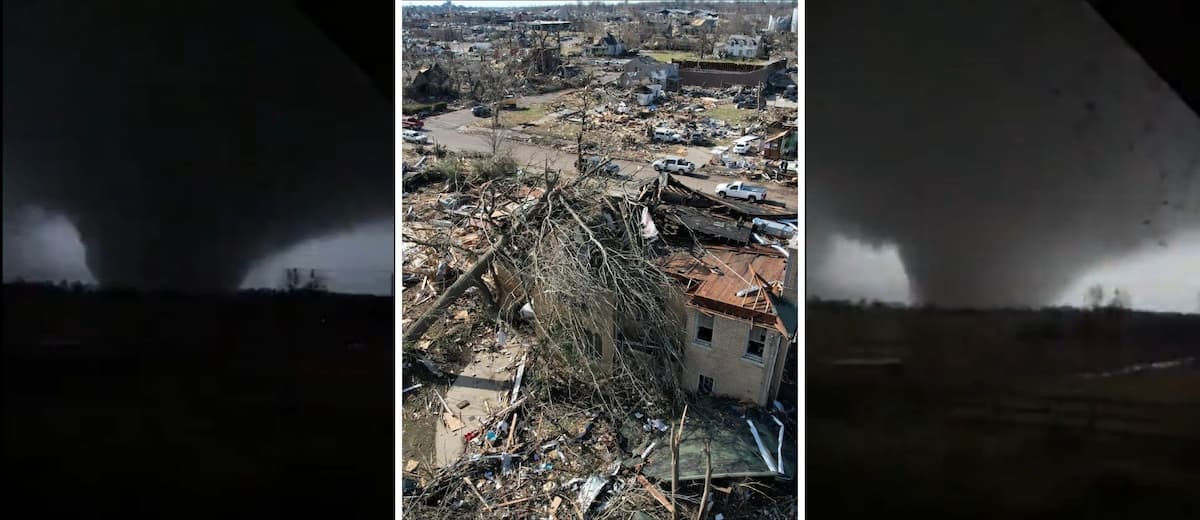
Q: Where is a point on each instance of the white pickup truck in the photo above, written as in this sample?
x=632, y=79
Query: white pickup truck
x=741, y=190
x=674, y=165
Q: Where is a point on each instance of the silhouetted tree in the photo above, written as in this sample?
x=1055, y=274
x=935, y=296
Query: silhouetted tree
x=1094, y=296
x=1121, y=300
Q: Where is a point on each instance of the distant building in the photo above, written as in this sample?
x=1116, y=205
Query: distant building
x=430, y=81
x=779, y=23
x=742, y=46
x=549, y=25
x=609, y=45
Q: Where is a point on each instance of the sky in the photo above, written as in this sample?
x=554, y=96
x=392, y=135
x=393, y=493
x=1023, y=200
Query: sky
x=1036, y=153
x=184, y=145
x=1054, y=160
x=1157, y=280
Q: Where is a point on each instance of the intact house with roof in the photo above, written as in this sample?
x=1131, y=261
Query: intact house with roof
x=430, y=81
x=742, y=46
x=608, y=45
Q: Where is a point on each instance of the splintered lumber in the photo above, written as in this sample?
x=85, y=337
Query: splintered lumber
x=501, y=413
x=512, y=428
x=444, y=405
x=654, y=492
x=517, y=501
x=517, y=384
x=452, y=422
x=414, y=332
x=676, y=439
x=554, y=507
x=477, y=495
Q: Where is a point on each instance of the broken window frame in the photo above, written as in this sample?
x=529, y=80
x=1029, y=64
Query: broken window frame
x=712, y=383
x=763, y=336
x=712, y=322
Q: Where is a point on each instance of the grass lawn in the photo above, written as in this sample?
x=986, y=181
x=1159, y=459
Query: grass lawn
x=512, y=118
x=560, y=129
x=731, y=114
x=527, y=114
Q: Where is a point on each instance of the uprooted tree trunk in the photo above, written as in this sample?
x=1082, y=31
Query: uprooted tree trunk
x=473, y=276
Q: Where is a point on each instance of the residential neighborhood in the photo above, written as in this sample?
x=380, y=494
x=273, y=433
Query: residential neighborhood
x=599, y=257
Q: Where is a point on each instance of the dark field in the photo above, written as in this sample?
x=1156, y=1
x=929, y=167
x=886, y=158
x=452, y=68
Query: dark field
x=982, y=416
x=224, y=406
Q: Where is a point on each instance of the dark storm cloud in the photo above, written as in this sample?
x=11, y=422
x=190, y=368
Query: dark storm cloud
x=185, y=140
x=1003, y=146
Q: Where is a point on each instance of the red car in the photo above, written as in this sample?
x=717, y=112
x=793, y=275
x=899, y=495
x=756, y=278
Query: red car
x=413, y=123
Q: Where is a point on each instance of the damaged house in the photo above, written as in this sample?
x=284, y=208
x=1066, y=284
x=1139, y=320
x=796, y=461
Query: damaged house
x=741, y=320
x=739, y=299
x=643, y=70
x=781, y=143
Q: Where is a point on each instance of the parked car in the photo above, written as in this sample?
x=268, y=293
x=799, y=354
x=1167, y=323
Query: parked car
x=745, y=145
x=674, y=165
x=481, y=111
x=413, y=123
x=610, y=168
x=700, y=139
x=666, y=135
x=741, y=190
x=413, y=136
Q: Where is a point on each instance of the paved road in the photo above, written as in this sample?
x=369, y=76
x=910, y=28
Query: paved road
x=446, y=129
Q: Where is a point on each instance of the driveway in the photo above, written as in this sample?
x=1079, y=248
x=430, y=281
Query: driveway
x=481, y=384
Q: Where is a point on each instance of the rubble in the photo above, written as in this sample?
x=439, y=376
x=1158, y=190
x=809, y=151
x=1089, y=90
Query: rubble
x=547, y=453
x=568, y=286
